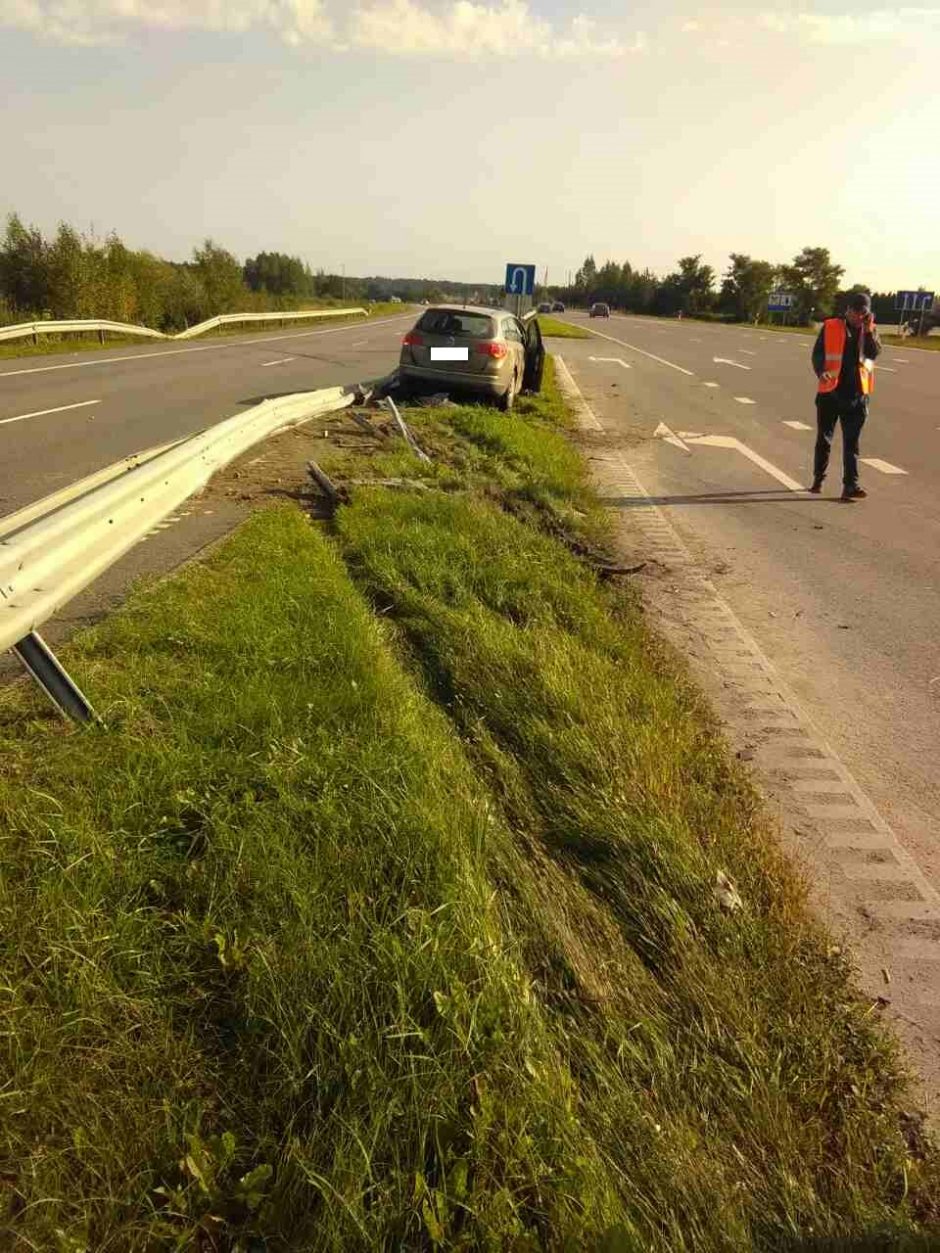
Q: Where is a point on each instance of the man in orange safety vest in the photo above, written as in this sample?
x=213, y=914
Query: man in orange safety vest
x=844, y=360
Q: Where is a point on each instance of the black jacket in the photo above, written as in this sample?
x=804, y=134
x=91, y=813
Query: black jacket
x=848, y=387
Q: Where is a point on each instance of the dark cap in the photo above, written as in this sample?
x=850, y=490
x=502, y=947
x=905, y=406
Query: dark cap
x=860, y=302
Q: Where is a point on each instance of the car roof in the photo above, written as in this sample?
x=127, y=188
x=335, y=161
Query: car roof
x=491, y=313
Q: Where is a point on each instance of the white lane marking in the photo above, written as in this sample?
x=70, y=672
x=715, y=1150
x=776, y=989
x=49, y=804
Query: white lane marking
x=618, y=360
x=884, y=466
x=643, y=352
x=663, y=432
x=886, y=369
x=745, y=400
x=901, y=360
x=728, y=361
x=728, y=441
x=572, y=393
x=710, y=384
x=175, y=352
x=750, y=352
x=359, y=344
x=280, y=361
x=39, y=413
x=696, y=341
x=797, y=426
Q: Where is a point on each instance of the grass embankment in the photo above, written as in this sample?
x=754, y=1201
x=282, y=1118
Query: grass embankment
x=90, y=342
x=382, y=916
x=561, y=330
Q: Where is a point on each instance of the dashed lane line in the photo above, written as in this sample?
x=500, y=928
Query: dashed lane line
x=40, y=413
x=884, y=466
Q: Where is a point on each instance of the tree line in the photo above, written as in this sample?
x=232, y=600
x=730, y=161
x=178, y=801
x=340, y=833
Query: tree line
x=813, y=279
x=76, y=275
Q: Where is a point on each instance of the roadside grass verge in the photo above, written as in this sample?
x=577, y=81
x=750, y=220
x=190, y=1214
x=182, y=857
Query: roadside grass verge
x=561, y=330
x=383, y=914
x=255, y=980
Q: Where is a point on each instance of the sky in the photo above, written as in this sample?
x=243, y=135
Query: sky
x=444, y=138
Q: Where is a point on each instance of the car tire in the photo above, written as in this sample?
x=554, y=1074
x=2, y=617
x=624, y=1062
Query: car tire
x=508, y=398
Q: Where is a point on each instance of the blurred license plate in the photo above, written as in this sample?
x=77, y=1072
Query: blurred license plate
x=450, y=354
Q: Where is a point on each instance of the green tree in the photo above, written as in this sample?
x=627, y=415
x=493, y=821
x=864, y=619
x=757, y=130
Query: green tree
x=746, y=286
x=69, y=275
x=688, y=289
x=221, y=278
x=813, y=278
x=24, y=277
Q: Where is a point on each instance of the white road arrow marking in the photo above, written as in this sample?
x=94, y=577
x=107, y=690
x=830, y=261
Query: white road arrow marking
x=690, y=434
x=642, y=351
x=728, y=361
x=618, y=360
x=728, y=441
x=663, y=432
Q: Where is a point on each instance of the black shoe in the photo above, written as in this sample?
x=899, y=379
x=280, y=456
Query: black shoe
x=816, y=488
x=854, y=493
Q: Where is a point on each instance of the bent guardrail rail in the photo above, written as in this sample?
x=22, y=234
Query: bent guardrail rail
x=21, y=330
x=230, y=319
x=54, y=549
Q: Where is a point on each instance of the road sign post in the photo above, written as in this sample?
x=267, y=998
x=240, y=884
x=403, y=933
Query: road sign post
x=520, y=282
x=780, y=302
x=913, y=302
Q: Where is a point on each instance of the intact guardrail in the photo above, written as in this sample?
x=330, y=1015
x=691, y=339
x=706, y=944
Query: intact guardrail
x=22, y=330
x=53, y=549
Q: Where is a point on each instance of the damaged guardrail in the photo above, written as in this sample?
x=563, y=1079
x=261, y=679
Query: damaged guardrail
x=53, y=549
x=21, y=330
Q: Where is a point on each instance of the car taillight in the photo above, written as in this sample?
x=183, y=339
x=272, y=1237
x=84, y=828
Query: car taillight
x=493, y=348
x=412, y=340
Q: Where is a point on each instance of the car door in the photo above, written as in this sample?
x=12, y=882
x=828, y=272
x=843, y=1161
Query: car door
x=534, y=357
x=514, y=334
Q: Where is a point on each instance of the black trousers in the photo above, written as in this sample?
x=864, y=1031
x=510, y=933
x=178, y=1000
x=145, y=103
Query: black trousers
x=830, y=409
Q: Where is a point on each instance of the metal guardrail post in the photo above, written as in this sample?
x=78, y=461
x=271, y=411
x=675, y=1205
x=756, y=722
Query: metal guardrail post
x=40, y=661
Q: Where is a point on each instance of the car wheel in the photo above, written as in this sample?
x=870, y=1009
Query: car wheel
x=508, y=398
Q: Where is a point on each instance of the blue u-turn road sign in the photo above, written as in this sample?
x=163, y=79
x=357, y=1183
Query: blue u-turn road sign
x=913, y=301
x=520, y=279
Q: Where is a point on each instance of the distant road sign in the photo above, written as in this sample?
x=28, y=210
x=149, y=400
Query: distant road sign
x=520, y=279
x=780, y=302
x=913, y=301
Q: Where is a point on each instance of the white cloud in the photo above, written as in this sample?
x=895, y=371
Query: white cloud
x=464, y=29
x=854, y=27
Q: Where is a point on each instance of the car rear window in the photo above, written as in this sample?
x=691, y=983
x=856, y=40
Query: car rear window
x=457, y=323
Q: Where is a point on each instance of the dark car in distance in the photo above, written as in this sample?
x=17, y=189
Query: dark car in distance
x=600, y=310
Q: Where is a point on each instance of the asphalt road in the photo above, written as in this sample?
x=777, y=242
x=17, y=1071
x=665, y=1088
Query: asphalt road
x=61, y=417
x=845, y=598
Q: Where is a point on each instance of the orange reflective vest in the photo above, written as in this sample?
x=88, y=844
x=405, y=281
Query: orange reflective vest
x=834, y=337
